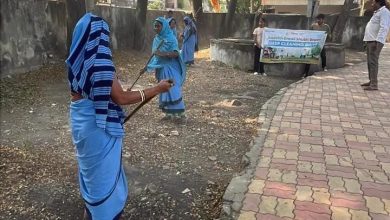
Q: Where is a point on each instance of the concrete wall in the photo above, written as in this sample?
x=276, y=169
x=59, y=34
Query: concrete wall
x=122, y=23
x=31, y=33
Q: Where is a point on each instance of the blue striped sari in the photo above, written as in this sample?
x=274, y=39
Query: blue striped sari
x=96, y=121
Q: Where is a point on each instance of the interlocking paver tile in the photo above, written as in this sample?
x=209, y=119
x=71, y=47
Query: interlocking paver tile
x=304, y=193
x=306, y=215
x=340, y=213
x=336, y=183
x=312, y=207
x=285, y=208
x=268, y=205
x=256, y=186
x=326, y=154
x=244, y=215
x=359, y=215
x=352, y=185
x=375, y=205
x=251, y=202
x=321, y=195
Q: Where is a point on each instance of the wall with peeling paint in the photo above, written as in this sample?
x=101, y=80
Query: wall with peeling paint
x=32, y=33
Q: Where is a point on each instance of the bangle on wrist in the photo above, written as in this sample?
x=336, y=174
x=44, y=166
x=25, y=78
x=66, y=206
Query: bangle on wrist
x=141, y=92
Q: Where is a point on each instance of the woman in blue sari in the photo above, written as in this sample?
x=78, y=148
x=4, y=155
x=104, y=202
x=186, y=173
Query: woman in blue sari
x=190, y=41
x=97, y=119
x=167, y=64
x=172, y=25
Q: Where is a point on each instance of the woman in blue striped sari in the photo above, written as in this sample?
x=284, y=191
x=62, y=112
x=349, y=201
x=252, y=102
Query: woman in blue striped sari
x=97, y=119
x=167, y=64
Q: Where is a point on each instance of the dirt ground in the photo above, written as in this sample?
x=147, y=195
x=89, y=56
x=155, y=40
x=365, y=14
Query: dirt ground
x=175, y=170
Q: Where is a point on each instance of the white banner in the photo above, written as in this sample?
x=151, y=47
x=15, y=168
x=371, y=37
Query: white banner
x=292, y=46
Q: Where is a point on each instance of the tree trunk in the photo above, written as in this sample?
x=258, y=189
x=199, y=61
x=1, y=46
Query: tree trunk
x=229, y=18
x=342, y=21
x=197, y=9
x=139, y=30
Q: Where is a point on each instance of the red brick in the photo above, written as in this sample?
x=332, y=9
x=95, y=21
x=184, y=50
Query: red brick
x=279, y=185
x=312, y=159
x=377, y=186
x=375, y=216
x=267, y=152
x=346, y=195
x=309, y=154
x=312, y=176
x=284, y=161
x=310, y=140
x=261, y=173
x=313, y=207
x=290, y=130
x=286, y=144
x=282, y=166
x=311, y=127
x=286, y=194
x=312, y=183
x=364, y=161
x=306, y=215
x=260, y=216
x=340, y=143
x=341, y=174
x=369, y=167
x=251, y=202
x=352, y=204
x=358, y=145
x=383, y=157
x=336, y=151
x=340, y=168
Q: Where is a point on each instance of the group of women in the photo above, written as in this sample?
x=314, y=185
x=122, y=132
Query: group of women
x=96, y=116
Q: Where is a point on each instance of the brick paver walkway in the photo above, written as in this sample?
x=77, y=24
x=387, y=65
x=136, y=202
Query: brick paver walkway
x=327, y=152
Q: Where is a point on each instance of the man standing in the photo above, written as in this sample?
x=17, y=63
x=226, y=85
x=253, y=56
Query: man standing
x=258, y=66
x=375, y=37
x=320, y=26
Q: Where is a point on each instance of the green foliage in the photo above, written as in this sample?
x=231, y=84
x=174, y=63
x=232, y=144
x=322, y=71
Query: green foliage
x=316, y=50
x=156, y=5
x=243, y=6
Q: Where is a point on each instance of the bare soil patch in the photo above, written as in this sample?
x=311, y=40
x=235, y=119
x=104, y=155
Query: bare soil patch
x=175, y=170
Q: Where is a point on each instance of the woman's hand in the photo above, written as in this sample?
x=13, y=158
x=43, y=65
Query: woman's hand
x=165, y=85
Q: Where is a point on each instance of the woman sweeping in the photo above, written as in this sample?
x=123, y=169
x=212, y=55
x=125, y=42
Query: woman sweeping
x=167, y=64
x=97, y=119
x=190, y=41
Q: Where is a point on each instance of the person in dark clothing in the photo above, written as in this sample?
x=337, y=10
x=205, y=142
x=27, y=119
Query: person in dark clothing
x=258, y=67
x=320, y=25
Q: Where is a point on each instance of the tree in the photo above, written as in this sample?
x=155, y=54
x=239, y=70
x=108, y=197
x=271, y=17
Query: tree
x=229, y=17
x=139, y=30
x=156, y=5
x=342, y=21
x=197, y=9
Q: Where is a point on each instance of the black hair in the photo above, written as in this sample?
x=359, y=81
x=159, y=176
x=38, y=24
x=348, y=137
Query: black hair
x=381, y=2
x=170, y=12
x=263, y=19
x=320, y=16
x=172, y=20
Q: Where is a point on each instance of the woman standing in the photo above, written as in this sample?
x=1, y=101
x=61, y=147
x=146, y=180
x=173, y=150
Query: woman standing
x=97, y=119
x=172, y=25
x=190, y=41
x=167, y=64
